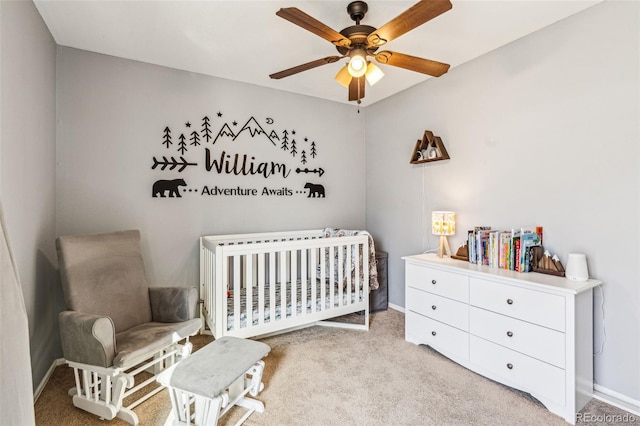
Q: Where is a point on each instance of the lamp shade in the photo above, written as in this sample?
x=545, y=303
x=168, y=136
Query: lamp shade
x=443, y=223
x=374, y=74
x=343, y=77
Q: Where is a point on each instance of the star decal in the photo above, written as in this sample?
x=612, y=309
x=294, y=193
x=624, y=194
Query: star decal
x=187, y=124
x=219, y=114
x=235, y=123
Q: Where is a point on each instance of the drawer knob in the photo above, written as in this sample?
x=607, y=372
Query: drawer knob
x=433, y=333
x=433, y=282
x=433, y=307
x=509, y=301
x=510, y=333
x=510, y=366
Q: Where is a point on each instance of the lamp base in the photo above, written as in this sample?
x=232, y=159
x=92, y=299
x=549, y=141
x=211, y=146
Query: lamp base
x=443, y=248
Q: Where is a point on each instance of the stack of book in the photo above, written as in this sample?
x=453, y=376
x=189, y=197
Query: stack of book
x=504, y=249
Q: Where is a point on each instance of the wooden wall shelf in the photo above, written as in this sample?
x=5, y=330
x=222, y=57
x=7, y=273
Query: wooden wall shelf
x=429, y=149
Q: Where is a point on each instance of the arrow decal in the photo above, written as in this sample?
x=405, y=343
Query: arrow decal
x=172, y=164
x=319, y=171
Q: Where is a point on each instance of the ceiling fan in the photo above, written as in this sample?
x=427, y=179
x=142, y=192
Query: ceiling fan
x=358, y=42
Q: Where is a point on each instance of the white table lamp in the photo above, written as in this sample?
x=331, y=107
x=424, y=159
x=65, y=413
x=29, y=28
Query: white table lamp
x=443, y=224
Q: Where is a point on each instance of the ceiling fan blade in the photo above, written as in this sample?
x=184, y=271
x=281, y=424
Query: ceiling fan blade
x=411, y=18
x=412, y=63
x=356, y=89
x=305, y=67
x=309, y=23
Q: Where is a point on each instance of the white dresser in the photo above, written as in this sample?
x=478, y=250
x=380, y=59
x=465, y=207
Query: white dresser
x=530, y=331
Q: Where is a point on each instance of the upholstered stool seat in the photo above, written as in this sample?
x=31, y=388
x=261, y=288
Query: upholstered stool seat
x=216, y=378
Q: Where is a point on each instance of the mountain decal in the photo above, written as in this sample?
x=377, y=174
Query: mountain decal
x=254, y=129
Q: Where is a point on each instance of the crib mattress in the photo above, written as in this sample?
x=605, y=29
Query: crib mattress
x=348, y=297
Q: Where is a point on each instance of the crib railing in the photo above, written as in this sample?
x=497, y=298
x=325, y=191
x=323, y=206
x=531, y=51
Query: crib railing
x=261, y=283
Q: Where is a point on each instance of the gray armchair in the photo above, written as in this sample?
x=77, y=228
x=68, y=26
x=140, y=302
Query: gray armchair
x=116, y=326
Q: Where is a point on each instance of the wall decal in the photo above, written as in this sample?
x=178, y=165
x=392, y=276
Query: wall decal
x=182, y=145
x=160, y=187
x=314, y=189
x=172, y=164
x=232, y=152
x=320, y=172
x=166, y=139
x=206, y=129
x=195, y=138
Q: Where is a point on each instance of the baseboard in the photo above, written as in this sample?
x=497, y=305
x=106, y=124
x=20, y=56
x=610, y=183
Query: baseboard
x=616, y=399
x=45, y=379
x=396, y=307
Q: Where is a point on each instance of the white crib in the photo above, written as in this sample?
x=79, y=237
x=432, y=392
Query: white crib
x=262, y=284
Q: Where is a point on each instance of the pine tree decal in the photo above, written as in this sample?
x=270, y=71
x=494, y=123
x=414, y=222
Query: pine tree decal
x=303, y=157
x=285, y=141
x=314, y=153
x=182, y=146
x=206, y=129
x=294, y=151
x=166, y=139
x=195, y=138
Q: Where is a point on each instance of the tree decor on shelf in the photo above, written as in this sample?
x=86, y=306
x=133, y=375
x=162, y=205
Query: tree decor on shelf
x=430, y=148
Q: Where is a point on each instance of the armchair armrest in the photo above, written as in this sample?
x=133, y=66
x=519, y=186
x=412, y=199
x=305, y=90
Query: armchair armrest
x=87, y=339
x=173, y=304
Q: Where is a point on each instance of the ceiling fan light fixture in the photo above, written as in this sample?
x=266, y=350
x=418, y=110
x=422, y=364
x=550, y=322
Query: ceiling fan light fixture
x=343, y=77
x=374, y=74
x=357, y=63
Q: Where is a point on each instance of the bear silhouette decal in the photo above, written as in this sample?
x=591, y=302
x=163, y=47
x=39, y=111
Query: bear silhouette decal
x=315, y=190
x=160, y=187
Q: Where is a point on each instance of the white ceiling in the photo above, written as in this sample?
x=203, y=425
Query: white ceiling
x=246, y=41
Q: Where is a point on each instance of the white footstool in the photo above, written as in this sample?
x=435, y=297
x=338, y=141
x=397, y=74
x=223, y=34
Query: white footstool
x=214, y=379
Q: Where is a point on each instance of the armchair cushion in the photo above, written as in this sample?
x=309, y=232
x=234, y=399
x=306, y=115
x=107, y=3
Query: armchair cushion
x=139, y=343
x=104, y=274
x=173, y=304
x=87, y=339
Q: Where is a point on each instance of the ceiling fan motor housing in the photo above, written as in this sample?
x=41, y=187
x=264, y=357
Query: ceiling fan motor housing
x=357, y=10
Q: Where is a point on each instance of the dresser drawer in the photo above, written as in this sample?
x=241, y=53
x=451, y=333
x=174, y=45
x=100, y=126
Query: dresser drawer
x=440, y=308
x=529, y=305
x=448, y=340
x=521, y=371
x=533, y=340
x=447, y=284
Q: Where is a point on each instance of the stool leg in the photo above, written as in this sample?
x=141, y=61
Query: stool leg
x=207, y=410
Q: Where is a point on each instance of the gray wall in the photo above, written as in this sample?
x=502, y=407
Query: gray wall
x=27, y=173
x=111, y=116
x=544, y=131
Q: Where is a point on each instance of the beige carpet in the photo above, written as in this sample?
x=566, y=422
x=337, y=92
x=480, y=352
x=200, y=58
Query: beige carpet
x=329, y=376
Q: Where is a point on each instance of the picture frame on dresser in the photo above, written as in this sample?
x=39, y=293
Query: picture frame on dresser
x=529, y=331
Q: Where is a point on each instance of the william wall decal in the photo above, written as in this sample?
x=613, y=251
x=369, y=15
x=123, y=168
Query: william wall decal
x=228, y=150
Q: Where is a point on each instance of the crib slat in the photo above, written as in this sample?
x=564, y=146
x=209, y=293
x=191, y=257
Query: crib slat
x=248, y=284
x=341, y=272
x=314, y=273
x=304, y=272
x=237, y=291
x=332, y=276
x=272, y=287
x=261, y=275
x=293, y=282
x=283, y=284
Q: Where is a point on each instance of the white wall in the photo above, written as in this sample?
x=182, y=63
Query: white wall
x=27, y=174
x=111, y=116
x=544, y=131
